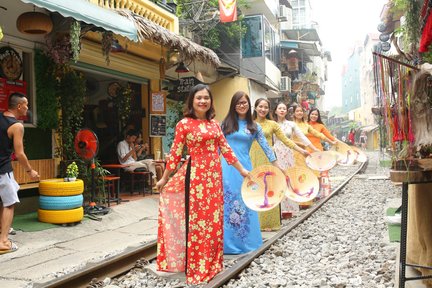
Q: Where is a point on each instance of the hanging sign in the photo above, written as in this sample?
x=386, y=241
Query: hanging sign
x=157, y=125
x=158, y=103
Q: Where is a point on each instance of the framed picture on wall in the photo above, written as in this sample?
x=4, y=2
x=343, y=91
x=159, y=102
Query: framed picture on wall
x=158, y=103
x=157, y=125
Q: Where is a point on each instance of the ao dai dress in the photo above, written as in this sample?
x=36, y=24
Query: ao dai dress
x=269, y=220
x=285, y=156
x=241, y=225
x=190, y=223
x=316, y=141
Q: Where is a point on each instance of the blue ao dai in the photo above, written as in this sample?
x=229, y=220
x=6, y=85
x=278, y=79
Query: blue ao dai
x=241, y=225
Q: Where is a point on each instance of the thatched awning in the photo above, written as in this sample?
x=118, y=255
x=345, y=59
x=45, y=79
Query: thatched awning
x=188, y=49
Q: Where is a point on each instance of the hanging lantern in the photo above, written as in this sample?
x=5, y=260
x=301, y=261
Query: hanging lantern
x=34, y=23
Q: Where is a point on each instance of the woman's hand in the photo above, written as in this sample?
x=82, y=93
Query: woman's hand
x=244, y=173
x=276, y=164
x=305, y=153
x=160, y=184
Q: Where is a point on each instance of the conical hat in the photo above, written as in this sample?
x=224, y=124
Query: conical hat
x=360, y=156
x=303, y=184
x=321, y=161
x=265, y=188
x=346, y=154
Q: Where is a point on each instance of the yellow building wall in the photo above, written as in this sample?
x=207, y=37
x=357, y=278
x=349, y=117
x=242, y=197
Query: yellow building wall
x=223, y=91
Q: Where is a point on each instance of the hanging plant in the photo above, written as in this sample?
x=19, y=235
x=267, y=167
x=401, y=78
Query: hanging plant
x=122, y=101
x=59, y=49
x=71, y=91
x=75, y=32
x=107, y=41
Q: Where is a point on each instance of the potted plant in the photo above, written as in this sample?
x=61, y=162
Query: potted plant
x=71, y=172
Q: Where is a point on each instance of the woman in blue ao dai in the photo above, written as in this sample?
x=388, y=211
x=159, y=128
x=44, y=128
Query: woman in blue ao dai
x=241, y=225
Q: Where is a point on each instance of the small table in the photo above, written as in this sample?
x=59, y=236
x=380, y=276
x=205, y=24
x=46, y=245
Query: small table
x=408, y=177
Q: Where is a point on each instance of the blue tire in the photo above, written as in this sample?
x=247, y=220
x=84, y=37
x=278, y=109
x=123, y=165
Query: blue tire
x=60, y=202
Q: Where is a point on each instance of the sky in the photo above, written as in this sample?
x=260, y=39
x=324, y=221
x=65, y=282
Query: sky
x=342, y=23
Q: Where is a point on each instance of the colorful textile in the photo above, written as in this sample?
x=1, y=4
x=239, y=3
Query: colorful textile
x=241, y=226
x=284, y=154
x=269, y=220
x=228, y=10
x=316, y=141
x=299, y=159
x=191, y=204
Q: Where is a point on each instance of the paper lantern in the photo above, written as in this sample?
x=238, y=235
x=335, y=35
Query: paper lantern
x=34, y=23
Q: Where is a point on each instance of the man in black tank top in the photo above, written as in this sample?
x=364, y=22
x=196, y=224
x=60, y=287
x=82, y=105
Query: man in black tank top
x=11, y=140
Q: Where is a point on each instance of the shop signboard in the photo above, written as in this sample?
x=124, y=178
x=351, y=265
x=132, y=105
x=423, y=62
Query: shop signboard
x=7, y=87
x=157, y=125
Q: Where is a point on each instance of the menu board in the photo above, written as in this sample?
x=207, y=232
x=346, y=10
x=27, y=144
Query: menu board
x=157, y=125
x=7, y=87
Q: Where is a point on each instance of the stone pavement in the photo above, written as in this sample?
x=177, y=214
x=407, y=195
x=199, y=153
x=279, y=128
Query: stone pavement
x=45, y=255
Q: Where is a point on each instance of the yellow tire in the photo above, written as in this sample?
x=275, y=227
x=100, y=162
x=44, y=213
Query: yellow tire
x=58, y=187
x=61, y=216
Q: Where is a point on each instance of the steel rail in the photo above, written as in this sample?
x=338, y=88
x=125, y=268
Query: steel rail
x=245, y=260
x=112, y=267
x=125, y=261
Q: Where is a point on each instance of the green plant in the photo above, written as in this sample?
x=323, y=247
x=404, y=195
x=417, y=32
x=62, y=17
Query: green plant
x=174, y=115
x=75, y=32
x=72, y=170
x=71, y=92
x=123, y=103
x=210, y=33
x=46, y=100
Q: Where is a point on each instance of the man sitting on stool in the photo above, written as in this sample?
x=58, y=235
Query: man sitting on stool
x=128, y=153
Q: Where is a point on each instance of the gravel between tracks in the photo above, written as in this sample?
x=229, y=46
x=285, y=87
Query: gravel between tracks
x=343, y=244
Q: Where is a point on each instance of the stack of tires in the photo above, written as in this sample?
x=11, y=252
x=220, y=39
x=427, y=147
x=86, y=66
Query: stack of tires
x=60, y=202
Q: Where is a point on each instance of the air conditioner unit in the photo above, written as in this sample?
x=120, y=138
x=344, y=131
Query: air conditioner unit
x=283, y=13
x=285, y=84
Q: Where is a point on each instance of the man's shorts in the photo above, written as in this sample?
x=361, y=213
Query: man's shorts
x=8, y=189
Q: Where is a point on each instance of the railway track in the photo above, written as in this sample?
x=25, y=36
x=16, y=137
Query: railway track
x=122, y=263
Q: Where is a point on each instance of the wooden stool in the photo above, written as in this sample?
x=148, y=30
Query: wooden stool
x=139, y=177
x=110, y=182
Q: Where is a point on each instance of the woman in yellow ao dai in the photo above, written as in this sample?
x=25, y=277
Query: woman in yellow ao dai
x=269, y=220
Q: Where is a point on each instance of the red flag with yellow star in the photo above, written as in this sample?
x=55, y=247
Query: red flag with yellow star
x=228, y=10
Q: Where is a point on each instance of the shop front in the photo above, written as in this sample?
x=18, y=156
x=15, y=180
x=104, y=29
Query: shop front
x=122, y=65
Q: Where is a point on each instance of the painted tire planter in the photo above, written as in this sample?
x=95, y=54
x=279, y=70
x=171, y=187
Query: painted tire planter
x=60, y=202
x=57, y=187
x=61, y=216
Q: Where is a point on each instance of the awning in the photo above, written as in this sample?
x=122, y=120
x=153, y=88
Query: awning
x=302, y=34
x=369, y=128
x=309, y=48
x=188, y=50
x=89, y=13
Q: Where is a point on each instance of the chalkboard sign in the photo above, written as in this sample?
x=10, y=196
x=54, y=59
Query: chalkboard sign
x=157, y=125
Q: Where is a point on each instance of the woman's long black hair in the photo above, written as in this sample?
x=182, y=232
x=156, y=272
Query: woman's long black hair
x=230, y=122
x=319, y=115
x=269, y=114
x=189, y=110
